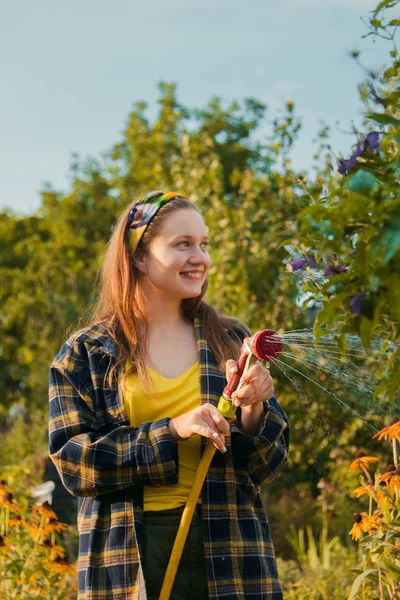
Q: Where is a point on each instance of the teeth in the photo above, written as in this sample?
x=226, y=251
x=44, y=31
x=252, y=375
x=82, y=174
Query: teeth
x=194, y=275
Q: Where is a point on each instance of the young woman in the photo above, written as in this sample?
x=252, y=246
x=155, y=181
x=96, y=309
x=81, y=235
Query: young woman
x=133, y=401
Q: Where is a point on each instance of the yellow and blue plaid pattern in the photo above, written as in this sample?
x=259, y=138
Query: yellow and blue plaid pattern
x=106, y=462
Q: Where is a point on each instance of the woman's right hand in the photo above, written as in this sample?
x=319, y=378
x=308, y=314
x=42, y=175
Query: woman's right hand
x=204, y=420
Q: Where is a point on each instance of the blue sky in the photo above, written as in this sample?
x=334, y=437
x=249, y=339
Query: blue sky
x=71, y=72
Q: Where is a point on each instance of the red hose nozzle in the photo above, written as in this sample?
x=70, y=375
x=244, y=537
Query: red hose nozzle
x=265, y=345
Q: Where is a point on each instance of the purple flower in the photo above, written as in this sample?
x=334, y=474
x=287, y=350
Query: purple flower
x=300, y=263
x=371, y=141
x=344, y=166
x=332, y=270
x=297, y=264
x=356, y=303
x=311, y=262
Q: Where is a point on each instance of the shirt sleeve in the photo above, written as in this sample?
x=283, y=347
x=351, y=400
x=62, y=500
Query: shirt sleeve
x=91, y=463
x=267, y=452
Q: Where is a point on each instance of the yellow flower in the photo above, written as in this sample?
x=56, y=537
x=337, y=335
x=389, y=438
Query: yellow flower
x=385, y=477
x=33, y=578
x=371, y=523
x=394, y=483
x=357, y=530
x=45, y=510
x=382, y=498
x=3, y=545
x=4, y=489
x=17, y=521
x=56, y=552
x=390, y=431
x=53, y=525
x=32, y=530
x=362, y=461
x=364, y=523
x=60, y=565
x=363, y=489
x=6, y=499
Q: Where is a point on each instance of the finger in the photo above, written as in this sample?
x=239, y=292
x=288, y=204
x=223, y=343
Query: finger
x=247, y=391
x=212, y=425
x=230, y=367
x=216, y=438
x=253, y=373
x=246, y=401
x=264, y=378
x=214, y=417
x=220, y=421
x=209, y=419
x=264, y=394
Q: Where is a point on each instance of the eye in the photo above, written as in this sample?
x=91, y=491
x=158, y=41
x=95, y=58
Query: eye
x=184, y=242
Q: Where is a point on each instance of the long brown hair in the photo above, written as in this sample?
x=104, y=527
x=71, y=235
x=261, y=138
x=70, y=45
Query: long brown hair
x=120, y=307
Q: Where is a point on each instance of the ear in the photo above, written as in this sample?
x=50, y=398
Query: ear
x=139, y=260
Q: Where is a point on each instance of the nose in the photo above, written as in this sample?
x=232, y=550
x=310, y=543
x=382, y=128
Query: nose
x=198, y=256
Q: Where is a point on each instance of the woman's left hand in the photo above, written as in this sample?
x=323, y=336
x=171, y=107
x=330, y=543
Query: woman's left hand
x=257, y=384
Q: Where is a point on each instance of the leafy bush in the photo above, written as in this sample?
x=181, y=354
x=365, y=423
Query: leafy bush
x=322, y=570
x=33, y=562
x=348, y=247
x=381, y=521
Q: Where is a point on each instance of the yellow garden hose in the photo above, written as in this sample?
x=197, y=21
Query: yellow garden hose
x=186, y=521
x=227, y=409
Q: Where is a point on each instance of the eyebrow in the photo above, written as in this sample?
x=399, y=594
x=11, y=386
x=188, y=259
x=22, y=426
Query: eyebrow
x=188, y=237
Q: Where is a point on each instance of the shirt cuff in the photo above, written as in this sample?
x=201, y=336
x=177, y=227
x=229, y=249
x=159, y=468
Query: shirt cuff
x=271, y=428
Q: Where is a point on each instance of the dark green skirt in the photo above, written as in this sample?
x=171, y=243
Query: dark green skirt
x=159, y=532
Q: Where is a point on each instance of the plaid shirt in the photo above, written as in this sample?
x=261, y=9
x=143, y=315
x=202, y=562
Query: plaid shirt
x=105, y=462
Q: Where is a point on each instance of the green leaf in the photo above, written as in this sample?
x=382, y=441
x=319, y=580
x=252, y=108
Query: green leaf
x=384, y=4
x=393, y=569
x=389, y=73
x=394, y=22
x=384, y=119
x=357, y=582
x=366, y=332
x=319, y=322
x=362, y=182
x=385, y=508
x=391, y=546
x=341, y=342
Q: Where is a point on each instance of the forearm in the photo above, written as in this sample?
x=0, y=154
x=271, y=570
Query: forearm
x=251, y=418
x=266, y=449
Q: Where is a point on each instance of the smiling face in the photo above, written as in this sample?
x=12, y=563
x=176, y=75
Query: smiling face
x=177, y=261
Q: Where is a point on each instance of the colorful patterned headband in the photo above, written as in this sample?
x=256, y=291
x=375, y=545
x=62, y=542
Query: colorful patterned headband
x=142, y=213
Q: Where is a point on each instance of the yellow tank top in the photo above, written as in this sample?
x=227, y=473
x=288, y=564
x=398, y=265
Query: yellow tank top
x=170, y=398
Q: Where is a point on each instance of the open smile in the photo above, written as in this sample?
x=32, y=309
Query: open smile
x=192, y=275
